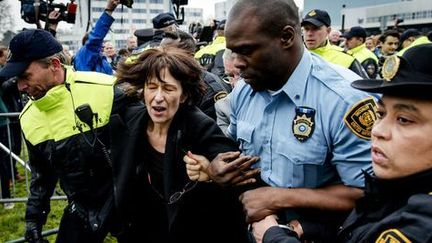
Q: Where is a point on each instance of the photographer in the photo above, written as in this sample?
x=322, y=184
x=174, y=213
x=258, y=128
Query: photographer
x=89, y=57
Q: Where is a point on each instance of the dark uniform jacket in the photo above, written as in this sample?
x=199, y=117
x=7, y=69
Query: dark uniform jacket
x=392, y=211
x=216, y=89
x=207, y=213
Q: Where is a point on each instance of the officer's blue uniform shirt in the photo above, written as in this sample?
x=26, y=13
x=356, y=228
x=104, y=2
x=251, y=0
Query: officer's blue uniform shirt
x=327, y=150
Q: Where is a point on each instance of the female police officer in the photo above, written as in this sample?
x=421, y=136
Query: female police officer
x=397, y=206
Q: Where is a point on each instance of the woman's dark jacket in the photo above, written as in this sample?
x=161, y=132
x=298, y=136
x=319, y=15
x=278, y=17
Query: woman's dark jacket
x=208, y=213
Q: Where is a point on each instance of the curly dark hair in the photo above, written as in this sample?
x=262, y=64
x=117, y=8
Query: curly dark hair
x=181, y=65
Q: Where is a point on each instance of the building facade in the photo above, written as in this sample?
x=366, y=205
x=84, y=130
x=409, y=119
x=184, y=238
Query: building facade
x=407, y=14
x=335, y=7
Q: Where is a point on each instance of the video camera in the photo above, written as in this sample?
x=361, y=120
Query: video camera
x=32, y=11
x=127, y=3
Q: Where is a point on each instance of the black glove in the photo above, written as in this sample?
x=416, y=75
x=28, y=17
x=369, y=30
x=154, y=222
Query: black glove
x=33, y=233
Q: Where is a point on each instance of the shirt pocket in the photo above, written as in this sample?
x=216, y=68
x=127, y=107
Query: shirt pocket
x=244, y=136
x=308, y=167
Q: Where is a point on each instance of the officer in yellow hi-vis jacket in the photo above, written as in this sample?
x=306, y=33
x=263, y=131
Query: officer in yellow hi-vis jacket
x=65, y=129
x=316, y=26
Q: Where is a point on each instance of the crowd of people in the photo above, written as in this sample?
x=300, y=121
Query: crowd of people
x=280, y=129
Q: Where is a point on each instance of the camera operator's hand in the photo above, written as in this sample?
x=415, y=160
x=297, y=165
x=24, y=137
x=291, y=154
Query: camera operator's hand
x=53, y=19
x=111, y=6
x=33, y=233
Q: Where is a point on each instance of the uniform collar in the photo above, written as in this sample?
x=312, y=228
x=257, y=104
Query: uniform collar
x=323, y=49
x=54, y=97
x=219, y=40
x=296, y=84
x=358, y=48
x=409, y=185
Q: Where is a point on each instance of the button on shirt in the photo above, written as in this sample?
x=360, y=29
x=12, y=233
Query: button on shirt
x=262, y=123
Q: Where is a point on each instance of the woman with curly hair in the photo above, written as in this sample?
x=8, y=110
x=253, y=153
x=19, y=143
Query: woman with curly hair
x=154, y=196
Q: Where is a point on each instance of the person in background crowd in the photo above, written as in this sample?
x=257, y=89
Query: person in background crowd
x=13, y=102
x=4, y=52
x=222, y=106
x=110, y=52
x=429, y=35
x=316, y=27
x=158, y=202
x=299, y=114
x=210, y=56
x=389, y=42
x=410, y=38
x=89, y=57
x=215, y=87
x=66, y=146
x=198, y=31
x=131, y=43
x=370, y=43
x=5, y=165
x=163, y=22
x=67, y=53
x=334, y=37
x=355, y=43
x=143, y=35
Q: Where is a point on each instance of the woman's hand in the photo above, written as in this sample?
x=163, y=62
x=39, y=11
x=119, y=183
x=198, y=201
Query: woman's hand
x=260, y=227
x=196, y=167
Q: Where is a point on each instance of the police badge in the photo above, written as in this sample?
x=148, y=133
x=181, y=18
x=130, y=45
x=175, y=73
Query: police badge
x=361, y=117
x=312, y=13
x=390, y=67
x=304, y=123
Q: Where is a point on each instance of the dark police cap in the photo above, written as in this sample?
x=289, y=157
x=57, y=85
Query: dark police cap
x=356, y=31
x=163, y=20
x=26, y=47
x=317, y=18
x=144, y=34
x=409, y=75
x=408, y=33
x=221, y=25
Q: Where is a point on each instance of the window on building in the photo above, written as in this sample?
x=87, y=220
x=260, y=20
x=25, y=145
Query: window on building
x=96, y=9
x=139, y=10
x=120, y=31
x=156, y=11
x=139, y=21
x=156, y=1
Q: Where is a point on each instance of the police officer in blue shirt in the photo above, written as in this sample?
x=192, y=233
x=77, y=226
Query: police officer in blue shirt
x=299, y=114
x=397, y=206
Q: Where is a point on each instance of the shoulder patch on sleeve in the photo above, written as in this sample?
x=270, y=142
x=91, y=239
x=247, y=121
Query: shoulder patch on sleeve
x=361, y=117
x=392, y=236
x=220, y=95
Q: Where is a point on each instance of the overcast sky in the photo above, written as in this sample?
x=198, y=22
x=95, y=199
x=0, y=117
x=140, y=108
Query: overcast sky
x=207, y=5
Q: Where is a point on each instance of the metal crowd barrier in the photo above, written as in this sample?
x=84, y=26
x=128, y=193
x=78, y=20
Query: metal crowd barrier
x=12, y=157
x=44, y=234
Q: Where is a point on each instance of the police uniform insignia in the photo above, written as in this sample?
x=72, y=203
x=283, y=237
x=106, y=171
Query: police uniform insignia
x=304, y=123
x=312, y=13
x=390, y=67
x=360, y=118
x=392, y=236
x=220, y=95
